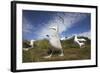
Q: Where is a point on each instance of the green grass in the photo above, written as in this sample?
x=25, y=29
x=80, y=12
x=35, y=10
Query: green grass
x=71, y=52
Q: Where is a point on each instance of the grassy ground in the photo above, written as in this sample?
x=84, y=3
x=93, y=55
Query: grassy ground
x=71, y=52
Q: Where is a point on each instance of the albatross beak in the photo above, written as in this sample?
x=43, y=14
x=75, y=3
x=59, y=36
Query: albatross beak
x=47, y=35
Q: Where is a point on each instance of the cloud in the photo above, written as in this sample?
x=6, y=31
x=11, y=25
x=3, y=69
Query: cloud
x=85, y=34
x=65, y=21
x=26, y=27
x=69, y=20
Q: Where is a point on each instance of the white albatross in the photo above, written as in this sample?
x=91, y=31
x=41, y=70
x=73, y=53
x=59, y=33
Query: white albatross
x=32, y=43
x=54, y=41
x=79, y=41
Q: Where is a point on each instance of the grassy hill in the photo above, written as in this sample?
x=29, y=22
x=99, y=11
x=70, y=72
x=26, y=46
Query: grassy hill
x=71, y=51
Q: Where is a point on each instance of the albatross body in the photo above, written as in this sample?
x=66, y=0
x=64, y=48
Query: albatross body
x=79, y=41
x=54, y=41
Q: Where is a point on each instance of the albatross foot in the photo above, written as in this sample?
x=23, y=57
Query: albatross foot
x=47, y=56
x=61, y=55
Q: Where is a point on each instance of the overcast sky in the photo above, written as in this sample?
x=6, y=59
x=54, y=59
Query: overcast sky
x=35, y=24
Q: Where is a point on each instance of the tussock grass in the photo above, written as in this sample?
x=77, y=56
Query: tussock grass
x=71, y=52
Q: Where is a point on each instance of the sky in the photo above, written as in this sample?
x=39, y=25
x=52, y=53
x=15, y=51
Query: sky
x=36, y=24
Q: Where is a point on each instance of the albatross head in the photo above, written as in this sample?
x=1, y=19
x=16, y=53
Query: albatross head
x=55, y=28
x=75, y=36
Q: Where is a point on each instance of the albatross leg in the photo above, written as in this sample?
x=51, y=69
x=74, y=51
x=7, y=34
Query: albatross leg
x=62, y=53
x=50, y=52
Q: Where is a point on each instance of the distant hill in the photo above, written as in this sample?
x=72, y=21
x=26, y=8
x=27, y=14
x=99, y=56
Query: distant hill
x=70, y=42
x=26, y=43
x=71, y=51
x=44, y=44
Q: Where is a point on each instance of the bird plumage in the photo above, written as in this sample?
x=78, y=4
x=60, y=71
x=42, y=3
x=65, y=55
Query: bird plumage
x=79, y=41
x=32, y=43
x=54, y=40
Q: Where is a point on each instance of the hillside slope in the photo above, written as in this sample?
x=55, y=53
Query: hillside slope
x=71, y=51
